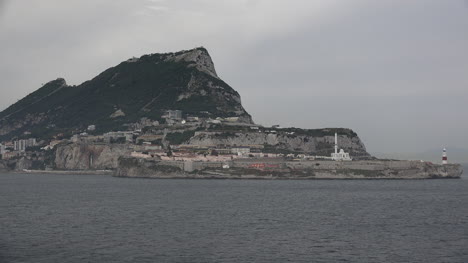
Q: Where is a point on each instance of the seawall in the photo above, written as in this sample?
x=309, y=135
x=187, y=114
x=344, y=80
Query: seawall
x=283, y=169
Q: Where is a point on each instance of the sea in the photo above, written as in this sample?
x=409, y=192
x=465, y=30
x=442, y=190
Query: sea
x=92, y=218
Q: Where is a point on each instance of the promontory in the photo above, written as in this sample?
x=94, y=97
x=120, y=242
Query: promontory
x=171, y=116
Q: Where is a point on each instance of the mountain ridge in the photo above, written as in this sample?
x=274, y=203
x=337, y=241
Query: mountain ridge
x=138, y=87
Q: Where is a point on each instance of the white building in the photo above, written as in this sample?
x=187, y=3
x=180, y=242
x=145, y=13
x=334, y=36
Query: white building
x=341, y=155
x=231, y=119
x=192, y=119
x=214, y=121
x=21, y=145
x=240, y=150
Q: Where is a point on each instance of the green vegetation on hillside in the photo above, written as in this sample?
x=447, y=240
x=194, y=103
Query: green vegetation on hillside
x=179, y=137
x=35, y=99
x=321, y=132
x=144, y=88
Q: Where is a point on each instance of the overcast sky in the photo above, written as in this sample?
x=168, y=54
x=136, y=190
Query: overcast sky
x=395, y=71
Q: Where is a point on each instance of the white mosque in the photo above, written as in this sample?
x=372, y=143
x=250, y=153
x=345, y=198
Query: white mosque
x=339, y=156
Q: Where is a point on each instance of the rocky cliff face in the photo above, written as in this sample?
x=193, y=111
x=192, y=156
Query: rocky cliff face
x=83, y=156
x=23, y=164
x=295, y=143
x=3, y=166
x=198, y=58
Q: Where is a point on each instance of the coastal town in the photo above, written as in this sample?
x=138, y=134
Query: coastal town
x=149, y=139
x=183, y=146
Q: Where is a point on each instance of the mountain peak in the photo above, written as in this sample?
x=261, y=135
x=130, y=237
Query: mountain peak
x=196, y=57
x=145, y=87
x=200, y=57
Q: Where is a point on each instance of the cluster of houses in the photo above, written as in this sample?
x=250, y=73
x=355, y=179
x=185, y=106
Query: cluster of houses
x=12, y=149
x=146, y=145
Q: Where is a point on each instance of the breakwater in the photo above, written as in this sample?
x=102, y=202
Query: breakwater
x=258, y=168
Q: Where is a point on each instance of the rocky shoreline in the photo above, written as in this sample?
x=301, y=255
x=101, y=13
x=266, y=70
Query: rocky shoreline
x=74, y=172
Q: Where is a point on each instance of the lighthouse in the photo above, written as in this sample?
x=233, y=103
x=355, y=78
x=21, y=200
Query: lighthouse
x=444, y=156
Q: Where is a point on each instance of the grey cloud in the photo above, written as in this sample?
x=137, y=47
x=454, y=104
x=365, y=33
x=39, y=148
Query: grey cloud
x=388, y=69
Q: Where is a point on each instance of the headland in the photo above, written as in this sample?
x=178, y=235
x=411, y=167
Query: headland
x=171, y=116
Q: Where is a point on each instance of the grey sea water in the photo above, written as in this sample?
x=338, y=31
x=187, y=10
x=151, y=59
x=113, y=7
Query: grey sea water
x=77, y=218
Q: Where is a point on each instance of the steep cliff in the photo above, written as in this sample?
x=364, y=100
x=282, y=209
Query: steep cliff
x=318, y=144
x=136, y=88
x=83, y=156
x=3, y=166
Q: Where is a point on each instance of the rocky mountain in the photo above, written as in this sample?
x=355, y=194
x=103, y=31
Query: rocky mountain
x=133, y=96
x=139, y=87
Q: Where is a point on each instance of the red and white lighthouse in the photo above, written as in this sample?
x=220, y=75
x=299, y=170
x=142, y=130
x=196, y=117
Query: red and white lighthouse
x=444, y=156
